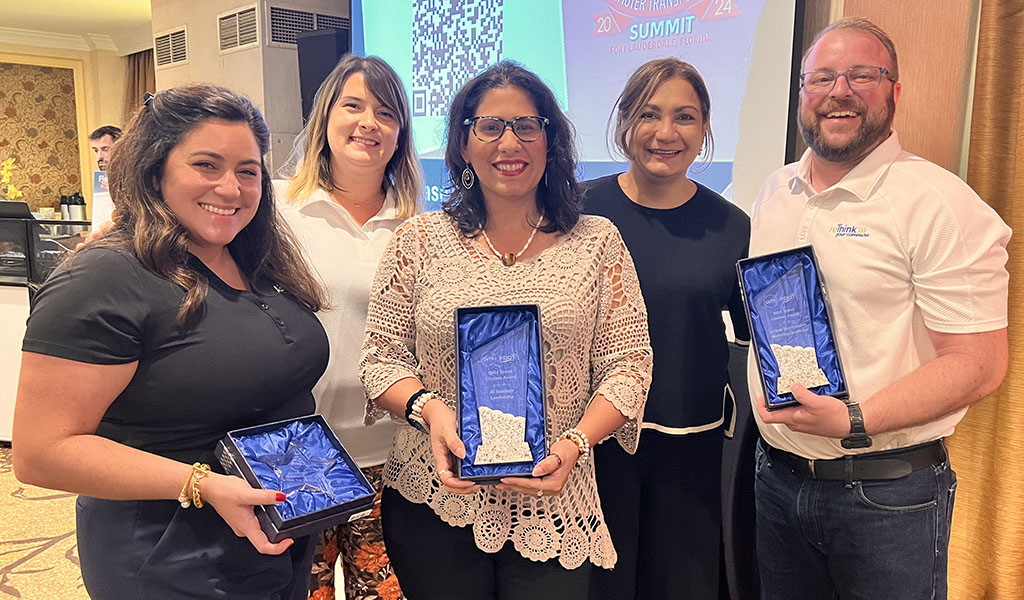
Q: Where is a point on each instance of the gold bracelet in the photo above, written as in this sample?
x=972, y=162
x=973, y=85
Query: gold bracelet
x=190, y=494
x=183, y=497
x=199, y=472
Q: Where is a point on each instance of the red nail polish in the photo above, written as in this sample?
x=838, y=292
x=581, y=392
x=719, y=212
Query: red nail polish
x=281, y=497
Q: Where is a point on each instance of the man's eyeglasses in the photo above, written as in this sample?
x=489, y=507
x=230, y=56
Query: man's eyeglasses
x=821, y=81
x=490, y=129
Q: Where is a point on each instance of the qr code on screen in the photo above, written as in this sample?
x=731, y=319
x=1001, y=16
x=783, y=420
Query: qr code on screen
x=453, y=40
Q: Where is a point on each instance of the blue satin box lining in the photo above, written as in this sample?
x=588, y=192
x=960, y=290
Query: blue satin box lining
x=794, y=270
x=303, y=458
x=475, y=328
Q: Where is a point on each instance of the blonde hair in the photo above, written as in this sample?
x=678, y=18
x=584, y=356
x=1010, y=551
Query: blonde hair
x=403, y=175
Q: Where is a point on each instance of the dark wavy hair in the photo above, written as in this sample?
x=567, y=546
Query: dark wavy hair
x=558, y=195
x=143, y=224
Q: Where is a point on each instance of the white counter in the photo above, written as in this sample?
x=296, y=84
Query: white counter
x=13, y=313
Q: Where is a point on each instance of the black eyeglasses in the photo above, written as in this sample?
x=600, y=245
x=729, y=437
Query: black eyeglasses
x=490, y=129
x=821, y=81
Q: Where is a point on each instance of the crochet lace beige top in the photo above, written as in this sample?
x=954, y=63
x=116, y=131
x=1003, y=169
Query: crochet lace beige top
x=595, y=341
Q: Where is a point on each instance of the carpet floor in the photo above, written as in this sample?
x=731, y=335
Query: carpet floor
x=38, y=550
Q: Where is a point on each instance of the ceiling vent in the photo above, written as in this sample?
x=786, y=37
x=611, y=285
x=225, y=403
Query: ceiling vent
x=238, y=29
x=286, y=23
x=171, y=48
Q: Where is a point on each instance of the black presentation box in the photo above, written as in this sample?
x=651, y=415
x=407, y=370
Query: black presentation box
x=790, y=325
x=304, y=456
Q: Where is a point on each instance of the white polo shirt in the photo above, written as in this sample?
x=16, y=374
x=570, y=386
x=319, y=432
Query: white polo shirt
x=345, y=256
x=904, y=246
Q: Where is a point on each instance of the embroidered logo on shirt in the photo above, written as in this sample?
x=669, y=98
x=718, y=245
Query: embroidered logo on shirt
x=841, y=230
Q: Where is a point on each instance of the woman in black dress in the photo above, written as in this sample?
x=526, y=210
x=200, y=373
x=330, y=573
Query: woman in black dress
x=663, y=504
x=191, y=317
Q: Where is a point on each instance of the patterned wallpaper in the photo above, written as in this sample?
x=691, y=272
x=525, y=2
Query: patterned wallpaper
x=38, y=128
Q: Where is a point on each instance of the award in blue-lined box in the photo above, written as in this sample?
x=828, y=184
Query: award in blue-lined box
x=304, y=459
x=791, y=331
x=500, y=379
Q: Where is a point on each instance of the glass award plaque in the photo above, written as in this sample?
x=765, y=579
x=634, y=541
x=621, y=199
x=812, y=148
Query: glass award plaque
x=499, y=377
x=500, y=382
x=792, y=339
x=786, y=319
x=300, y=470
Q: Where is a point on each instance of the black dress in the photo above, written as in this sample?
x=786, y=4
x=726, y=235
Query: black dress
x=246, y=358
x=663, y=504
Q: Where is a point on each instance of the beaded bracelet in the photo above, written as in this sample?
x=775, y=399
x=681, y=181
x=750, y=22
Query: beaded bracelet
x=580, y=439
x=416, y=409
x=412, y=400
x=190, y=492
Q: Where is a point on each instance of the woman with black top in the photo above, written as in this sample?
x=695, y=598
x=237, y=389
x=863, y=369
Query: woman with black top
x=663, y=504
x=191, y=317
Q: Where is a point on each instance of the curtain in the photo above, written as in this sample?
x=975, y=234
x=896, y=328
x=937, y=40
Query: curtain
x=987, y=543
x=140, y=77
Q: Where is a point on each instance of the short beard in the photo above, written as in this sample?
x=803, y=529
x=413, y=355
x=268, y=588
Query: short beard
x=869, y=135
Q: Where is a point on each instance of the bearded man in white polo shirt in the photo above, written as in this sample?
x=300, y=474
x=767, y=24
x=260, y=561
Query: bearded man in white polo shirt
x=855, y=500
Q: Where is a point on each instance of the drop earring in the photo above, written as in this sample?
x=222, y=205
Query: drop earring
x=468, y=178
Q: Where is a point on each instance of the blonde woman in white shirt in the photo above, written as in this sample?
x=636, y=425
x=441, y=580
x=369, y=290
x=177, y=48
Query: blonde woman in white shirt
x=357, y=180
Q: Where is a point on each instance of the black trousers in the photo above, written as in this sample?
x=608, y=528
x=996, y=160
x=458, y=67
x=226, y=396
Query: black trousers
x=142, y=549
x=435, y=561
x=663, y=507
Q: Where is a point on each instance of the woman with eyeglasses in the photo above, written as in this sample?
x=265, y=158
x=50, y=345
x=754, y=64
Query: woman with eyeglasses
x=510, y=233
x=664, y=503
x=358, y=179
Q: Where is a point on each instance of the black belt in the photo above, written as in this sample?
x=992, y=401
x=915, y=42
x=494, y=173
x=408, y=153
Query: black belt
x=887, y=464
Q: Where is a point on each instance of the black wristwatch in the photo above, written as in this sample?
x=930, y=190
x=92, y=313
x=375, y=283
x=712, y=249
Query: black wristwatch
x=858, y=435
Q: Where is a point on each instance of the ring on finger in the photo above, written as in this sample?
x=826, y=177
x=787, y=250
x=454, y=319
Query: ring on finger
x=540, y=492
x=442, y=473
x=557, y=456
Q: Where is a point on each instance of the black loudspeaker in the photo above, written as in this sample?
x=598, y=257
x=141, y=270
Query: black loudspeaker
x=319, y=51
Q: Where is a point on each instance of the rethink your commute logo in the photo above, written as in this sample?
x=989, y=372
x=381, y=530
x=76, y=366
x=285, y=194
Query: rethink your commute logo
x=840, y=230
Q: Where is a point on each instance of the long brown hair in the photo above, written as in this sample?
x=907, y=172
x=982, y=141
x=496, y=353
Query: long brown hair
x=143, y=224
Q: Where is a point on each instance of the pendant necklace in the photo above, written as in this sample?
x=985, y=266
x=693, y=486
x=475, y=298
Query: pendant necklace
x=507, y=258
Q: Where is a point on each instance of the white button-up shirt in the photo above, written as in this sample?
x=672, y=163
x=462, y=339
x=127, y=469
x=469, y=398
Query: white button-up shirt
x=345, y=257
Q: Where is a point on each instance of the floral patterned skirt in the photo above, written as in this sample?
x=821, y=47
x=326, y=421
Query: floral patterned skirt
x=367, y=570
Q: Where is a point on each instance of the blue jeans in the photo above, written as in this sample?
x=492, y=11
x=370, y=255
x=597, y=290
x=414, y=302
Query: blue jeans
x=820, y=540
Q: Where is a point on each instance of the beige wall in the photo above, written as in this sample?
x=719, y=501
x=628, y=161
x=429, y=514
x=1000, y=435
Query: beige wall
x=99, y=90
x=935, y=44
x=241, y=71
x=267, y=74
